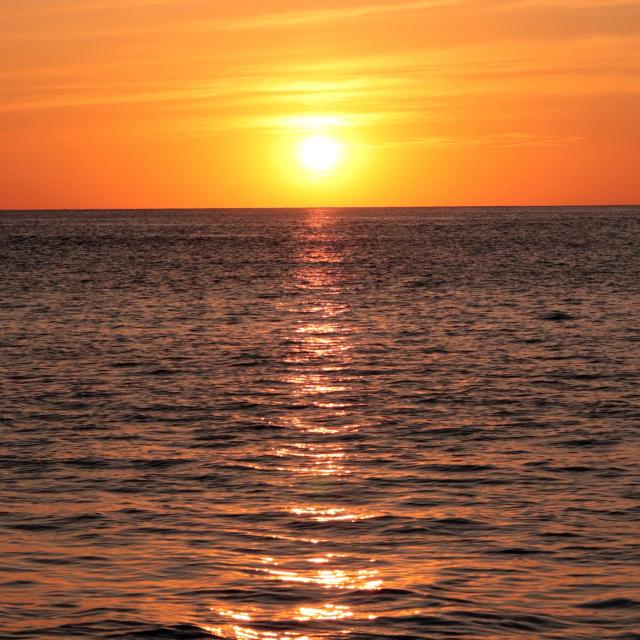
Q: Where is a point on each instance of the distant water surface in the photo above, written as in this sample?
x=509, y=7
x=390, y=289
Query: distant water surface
x=320, y=424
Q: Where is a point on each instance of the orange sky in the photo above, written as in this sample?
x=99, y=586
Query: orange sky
x=203, y=103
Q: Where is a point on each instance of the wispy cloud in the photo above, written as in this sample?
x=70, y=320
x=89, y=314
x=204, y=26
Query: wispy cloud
x=575, y=5
x=437, y=21
x=404, y=80
x=59, y=7
x=316, y=16
x=508, y=139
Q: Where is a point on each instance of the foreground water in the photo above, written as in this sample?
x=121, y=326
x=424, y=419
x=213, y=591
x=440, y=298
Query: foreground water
x=299, y=425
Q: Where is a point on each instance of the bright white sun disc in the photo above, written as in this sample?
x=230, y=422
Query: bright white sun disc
x=320, y=153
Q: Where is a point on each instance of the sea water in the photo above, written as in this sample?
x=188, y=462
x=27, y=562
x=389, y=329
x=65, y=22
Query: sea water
x=320, y=424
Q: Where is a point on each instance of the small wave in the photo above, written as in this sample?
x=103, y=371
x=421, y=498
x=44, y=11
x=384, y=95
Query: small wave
x=518, y=551
x=116, y=630
x=611, y=603
x=459, y=468
x=557, y=316
x=589, y=442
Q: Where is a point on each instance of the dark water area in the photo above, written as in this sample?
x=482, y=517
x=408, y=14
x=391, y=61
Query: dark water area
x=320, y=424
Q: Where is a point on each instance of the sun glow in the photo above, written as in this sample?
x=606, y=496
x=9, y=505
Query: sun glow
x=320, y=153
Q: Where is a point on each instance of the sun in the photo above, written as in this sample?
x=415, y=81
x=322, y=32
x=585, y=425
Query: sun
x=320, y=153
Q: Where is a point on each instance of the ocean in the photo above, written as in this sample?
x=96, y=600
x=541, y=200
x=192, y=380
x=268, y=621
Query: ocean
x=320, y=424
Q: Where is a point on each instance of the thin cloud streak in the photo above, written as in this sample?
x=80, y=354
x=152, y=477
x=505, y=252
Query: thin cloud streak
x=560, y=19
x=54, y=7
x=595, y=66
x=315, y=16
x=509, y=139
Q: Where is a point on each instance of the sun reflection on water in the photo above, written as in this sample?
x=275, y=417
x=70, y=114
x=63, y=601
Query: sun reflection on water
x=303, y=459
x=319, y=379
x=328, y=612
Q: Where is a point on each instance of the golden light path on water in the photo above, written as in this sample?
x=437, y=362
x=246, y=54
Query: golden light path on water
x=318, y=359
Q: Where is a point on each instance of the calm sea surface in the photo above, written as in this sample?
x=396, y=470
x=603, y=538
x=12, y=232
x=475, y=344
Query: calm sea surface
x=320, y=424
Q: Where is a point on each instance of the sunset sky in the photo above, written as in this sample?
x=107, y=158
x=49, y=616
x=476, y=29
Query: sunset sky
x=206, y=103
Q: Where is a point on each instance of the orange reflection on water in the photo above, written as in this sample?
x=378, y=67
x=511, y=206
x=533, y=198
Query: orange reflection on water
x=312, y=278
x=297, y=423
x=317, y=361
x=305, y=426
x=324, y=327
x=308, y=459
x=364, y=579
x=313, y=384
x=328, y=612
x=323, y=310
x=314, y=348
x=329, y=514
x=236, y=615
x=247, y=633
x=321, y=559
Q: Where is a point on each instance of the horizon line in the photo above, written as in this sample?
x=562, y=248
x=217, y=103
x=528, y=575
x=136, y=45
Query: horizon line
x=342, y=207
